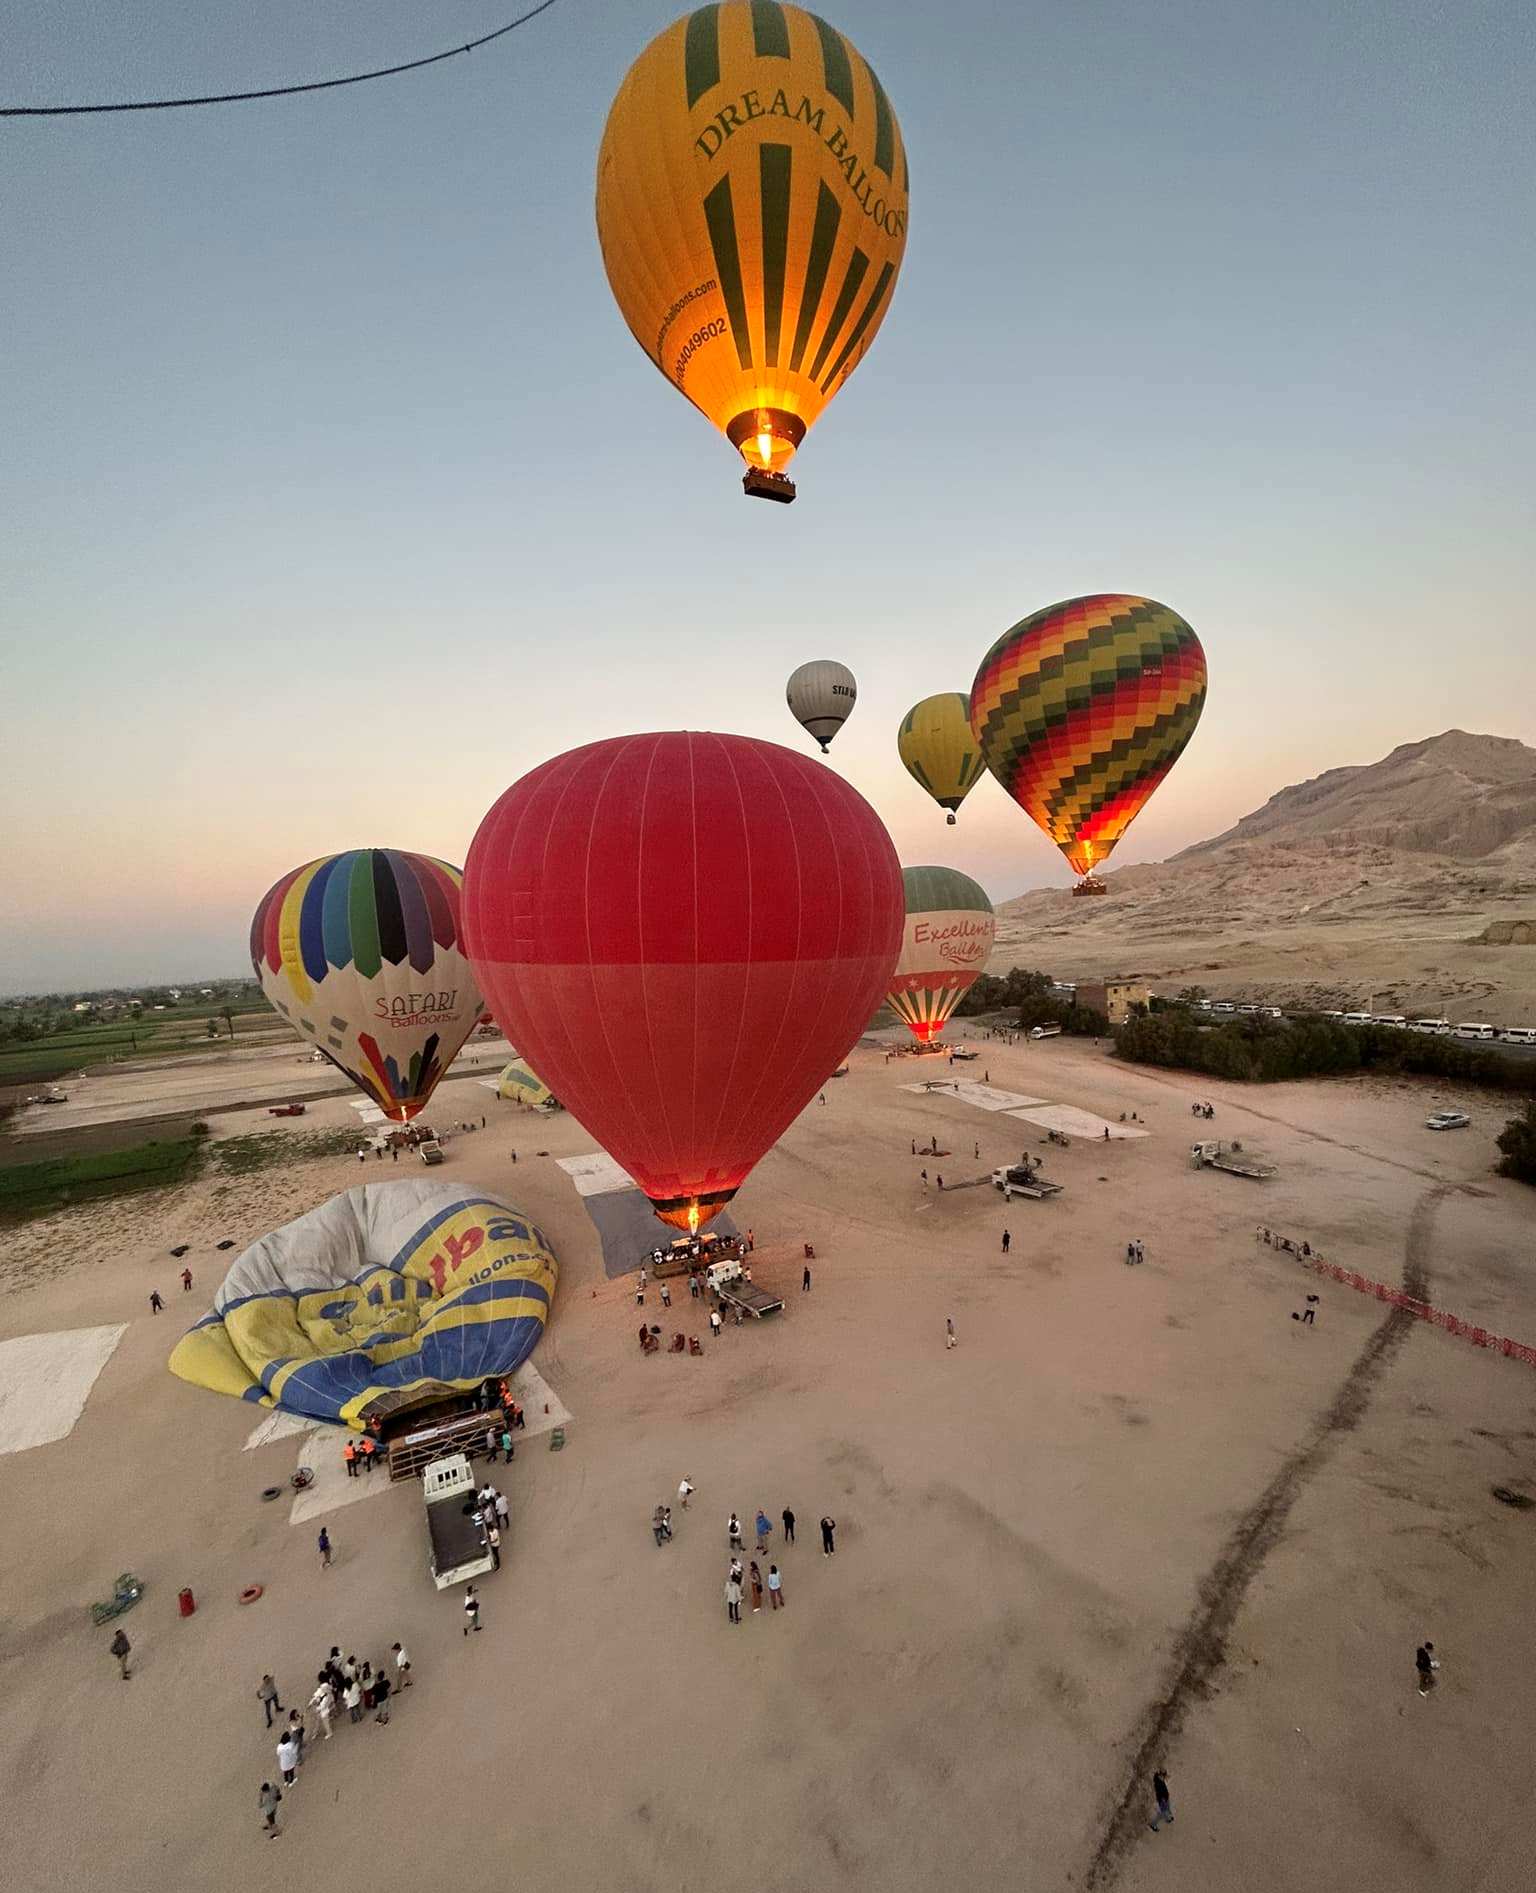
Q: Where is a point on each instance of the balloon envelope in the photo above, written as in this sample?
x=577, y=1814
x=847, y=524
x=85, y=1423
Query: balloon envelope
x=361, y=951
x=752, y=212
x=1081, y=710
x=387, y=1297
x=684, y=935
x=945, y=944
x=940, y=752
x=821, y=696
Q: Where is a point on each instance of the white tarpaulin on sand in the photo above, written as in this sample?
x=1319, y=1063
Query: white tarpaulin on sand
x=984, y=1097
x=45, y=1381
x=1074, y=1123
x=596, y=1173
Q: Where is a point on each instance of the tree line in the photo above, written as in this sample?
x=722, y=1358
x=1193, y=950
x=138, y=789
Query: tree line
x=1029, y=995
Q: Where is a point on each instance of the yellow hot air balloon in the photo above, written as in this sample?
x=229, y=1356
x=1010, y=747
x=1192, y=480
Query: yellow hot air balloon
x=752, y=210
x=939, y=751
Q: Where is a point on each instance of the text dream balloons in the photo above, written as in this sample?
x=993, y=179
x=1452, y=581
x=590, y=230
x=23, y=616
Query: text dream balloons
x=821, y=696
x=684, y=935
x=752, y=211
x=362, y=952
x=945, y=944
x=939, y=751
x=1081, y=710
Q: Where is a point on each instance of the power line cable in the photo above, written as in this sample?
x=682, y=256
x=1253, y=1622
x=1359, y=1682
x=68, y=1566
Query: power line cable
x=274, y=91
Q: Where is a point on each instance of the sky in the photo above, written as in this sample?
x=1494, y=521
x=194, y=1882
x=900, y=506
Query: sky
x=335, y=494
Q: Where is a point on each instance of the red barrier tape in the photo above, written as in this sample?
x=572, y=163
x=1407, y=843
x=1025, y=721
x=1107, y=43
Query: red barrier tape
x=1453, y=1324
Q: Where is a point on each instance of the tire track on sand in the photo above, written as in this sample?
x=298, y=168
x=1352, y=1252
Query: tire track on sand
x=1200, y=1648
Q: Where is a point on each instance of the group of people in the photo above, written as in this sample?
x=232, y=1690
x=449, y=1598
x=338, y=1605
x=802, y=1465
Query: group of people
x=342, y=1682
x=492, y=1515
x=1202, y=1110
x=1135, y=1251
x=745, y=1576
x=365, y=1451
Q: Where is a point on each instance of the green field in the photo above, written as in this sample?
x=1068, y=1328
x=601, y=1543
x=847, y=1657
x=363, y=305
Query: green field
x=35, y=1061
x=37, y=1189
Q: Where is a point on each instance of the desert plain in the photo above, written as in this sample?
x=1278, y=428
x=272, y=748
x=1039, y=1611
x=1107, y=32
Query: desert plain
x=1138, y=1516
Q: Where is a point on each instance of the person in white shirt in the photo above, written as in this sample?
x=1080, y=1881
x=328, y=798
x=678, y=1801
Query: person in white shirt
x=288, y=1759
x=402, y=1667
x=322, y=1702
x=354, y=1699
x=685, y=1491
x=503, y=1510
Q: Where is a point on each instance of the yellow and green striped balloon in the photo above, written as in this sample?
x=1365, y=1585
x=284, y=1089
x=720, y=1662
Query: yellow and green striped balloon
x=752, y=211
x=940, y=752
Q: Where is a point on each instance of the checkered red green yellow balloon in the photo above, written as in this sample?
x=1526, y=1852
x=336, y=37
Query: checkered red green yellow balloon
x=1081, y=710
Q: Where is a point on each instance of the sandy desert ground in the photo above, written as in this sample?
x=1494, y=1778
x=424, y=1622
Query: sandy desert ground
x=1136, y=1516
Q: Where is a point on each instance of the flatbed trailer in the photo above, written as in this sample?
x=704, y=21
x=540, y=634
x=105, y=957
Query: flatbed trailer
x=464, y=1433
x=750, y=1299
x=1214, y=1157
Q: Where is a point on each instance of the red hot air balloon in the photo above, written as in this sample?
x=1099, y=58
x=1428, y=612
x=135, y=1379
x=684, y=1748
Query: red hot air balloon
x=683, y=935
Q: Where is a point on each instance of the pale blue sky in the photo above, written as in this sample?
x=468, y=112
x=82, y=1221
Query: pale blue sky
x=335, y=493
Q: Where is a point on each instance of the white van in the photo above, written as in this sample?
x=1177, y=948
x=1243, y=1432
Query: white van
x=1475, y=1031
x=1438, y=1028
x=1333, y=1015
x=1389, y=1018
x=1518, y=1035
x=1357, y=1018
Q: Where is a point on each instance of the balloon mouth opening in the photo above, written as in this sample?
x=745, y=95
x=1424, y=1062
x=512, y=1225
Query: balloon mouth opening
x=690, y=1213
x=766, y=438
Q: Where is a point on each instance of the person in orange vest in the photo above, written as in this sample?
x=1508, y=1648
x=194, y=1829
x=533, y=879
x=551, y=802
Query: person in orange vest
x=349, y=1453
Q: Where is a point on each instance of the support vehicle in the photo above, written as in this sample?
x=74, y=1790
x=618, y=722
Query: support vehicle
x=459, y=1547
x=1023, y=1179
x=733, y=1289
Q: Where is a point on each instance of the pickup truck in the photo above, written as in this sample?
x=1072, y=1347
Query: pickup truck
x=734, y=1288
x=1019, y=1179
x=431, y=1150
x=459, y=1548
x=285, y=1110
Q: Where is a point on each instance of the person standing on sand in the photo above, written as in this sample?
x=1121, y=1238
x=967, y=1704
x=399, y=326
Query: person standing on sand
x=805, y=1278
x=1426, y=1663
x=288, y=1759
x=950, y=1337
x=733, y=1598
x=267, y=1801
x=471, y=1609
x=266, y=1691
x=186, y=1280
x=763, y=1529
x=155, y=1303
x=757, y=1588
x=733, y=1533
x=1164, y=1806
x=1007, y=1239
x=323, y=1703
x=789, y=1526
x=324, y=1544
x=352, y=1696
x=828, y=1527
x=924, y=1175
x=122, y=1649
x=685, y=1491
x=490, y=1445
x=775, y=1587
x=402, y=1666
x=666, y=1296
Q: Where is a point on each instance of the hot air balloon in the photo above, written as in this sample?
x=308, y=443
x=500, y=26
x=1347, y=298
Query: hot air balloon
x=752, y=211
x=821, y=696
x=939, y=751
x=362, y=952
x=388, y=1297
x=1081, y=710
x=684, y=935
x=947, y=941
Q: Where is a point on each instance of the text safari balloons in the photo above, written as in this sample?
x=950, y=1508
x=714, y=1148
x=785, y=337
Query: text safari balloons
x=362, y=952
x=945, y=944
x=752, y=211
x=684, y=935
x=1081, y=710
x=938, y=750
x=821, y=696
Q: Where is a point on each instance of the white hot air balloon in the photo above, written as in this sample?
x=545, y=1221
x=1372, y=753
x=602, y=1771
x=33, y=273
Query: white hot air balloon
x=821, y=696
